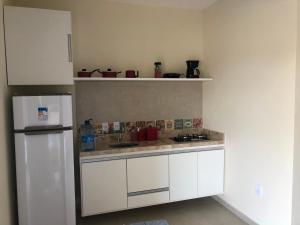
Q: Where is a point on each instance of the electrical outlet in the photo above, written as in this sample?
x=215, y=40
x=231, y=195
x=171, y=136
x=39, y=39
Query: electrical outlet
x=259, y=191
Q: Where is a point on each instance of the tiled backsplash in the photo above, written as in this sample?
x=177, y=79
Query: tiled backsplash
x=162, y=125
x=136, y=101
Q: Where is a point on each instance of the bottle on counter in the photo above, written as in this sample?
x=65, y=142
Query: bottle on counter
x=157, y=70
x=87, y=136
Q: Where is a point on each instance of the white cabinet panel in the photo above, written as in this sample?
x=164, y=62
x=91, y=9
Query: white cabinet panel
x=147, y=173
x=148, y=199
x=38, y=46
x=183, y=176
x=103, y=187
x=210, y=173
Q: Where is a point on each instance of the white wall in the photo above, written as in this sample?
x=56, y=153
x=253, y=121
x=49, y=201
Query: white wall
x=296, y=186
x=7, y=203
x=250, y=50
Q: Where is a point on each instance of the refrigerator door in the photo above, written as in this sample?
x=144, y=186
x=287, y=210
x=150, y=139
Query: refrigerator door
x=33, y=111
x=45, y=178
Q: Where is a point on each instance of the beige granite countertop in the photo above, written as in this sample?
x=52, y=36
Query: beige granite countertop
x=103, y=149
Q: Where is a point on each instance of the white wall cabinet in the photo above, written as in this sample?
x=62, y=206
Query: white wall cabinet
x=103, y=187
x=210, y=173
x=147, y=173
x=38, y=46
x=183, y=176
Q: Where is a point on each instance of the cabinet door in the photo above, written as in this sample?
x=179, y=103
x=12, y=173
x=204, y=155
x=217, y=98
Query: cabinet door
x=38, y=46
x=210, y=173
x=103, y=187
x=183, y=176
x=147, y=173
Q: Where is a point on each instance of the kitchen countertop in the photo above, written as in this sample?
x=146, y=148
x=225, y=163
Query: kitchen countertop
x=163, y=145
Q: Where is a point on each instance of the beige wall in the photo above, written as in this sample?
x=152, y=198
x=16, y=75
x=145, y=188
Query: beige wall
x=251, y=54
x=125, y=36
x=7, y=193
x=296, y=183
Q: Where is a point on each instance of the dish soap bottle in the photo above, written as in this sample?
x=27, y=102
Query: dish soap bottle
x=87, y=136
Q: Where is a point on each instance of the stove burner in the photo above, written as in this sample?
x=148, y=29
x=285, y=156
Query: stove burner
x=190, y=138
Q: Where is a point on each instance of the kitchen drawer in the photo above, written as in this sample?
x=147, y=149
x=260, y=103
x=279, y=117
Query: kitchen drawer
x=148, y=199
x=147, y=173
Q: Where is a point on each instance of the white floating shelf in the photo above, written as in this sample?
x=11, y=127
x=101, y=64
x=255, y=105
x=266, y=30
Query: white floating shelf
x=94, y=79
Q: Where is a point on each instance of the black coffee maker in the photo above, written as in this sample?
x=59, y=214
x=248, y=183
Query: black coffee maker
x=192, y=69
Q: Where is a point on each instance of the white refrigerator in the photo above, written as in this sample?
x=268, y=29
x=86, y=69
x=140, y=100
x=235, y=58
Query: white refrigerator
x=44, y=159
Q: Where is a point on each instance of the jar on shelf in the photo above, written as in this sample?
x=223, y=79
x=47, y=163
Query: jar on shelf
x=157, y=70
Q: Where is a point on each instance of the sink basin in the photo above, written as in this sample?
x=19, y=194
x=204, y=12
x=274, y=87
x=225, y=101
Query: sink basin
x=123, y=145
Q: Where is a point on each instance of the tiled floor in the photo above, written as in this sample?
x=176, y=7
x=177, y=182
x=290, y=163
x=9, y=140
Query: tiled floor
x=194, y=212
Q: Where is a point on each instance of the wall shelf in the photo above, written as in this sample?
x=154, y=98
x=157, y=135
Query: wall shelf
x=97, y=79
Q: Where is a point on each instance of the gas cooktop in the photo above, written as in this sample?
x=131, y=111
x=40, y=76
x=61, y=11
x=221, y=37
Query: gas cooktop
x=190, y=138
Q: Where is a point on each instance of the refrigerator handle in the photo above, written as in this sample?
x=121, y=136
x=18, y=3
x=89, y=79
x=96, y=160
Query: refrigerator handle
x=43, y=132
x=46, y=127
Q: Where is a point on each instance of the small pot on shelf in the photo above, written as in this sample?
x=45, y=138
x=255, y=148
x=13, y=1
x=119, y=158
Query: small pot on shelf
x=109, y=73
x=85, y=73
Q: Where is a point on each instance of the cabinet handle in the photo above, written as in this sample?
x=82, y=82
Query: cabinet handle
x=70, y=47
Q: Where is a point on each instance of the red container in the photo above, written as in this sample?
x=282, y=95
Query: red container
x=132, y=74
x=151, y=133
x=141, y=135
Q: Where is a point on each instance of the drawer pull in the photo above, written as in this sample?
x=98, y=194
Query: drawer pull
x=147, y=192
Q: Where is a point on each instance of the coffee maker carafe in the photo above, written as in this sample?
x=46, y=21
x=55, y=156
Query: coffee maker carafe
x=192, y=69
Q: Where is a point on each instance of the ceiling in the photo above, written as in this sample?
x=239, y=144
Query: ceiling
x=186, y=4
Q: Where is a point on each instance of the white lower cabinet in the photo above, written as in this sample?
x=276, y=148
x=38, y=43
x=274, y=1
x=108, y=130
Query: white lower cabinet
x=183, y=176
x=147, y=173
x=210, y=173
x=103, y=187
x=115, y=185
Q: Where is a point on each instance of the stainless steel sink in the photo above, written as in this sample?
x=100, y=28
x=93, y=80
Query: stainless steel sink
x=123, y=144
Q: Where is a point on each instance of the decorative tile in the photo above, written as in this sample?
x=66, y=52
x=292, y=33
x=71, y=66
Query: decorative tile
x=178, y=124
x=197, y=123
x=160, y=124
x=116, y=127
x=130, y=126
x=122, y=127
x=187, y=123
x=169, y=124
x=110, y=128
x=150, y=123
x=141, y=124
x=105, y=128
x=97, y=129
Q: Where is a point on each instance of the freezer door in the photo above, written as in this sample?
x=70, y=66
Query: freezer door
x=30, y=111
x=45, y=178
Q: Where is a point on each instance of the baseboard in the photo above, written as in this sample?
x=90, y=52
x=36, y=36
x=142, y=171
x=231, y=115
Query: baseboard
x=235, y=211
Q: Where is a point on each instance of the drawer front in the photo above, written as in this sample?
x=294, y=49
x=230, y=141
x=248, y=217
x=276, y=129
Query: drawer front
x=147, y=173
x=148, y=199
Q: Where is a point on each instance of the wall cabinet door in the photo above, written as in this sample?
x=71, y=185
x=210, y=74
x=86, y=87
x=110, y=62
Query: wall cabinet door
x=147, y=173
x=210, y=173
x=38, y=46
x=183, y=176
x=103, y=187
